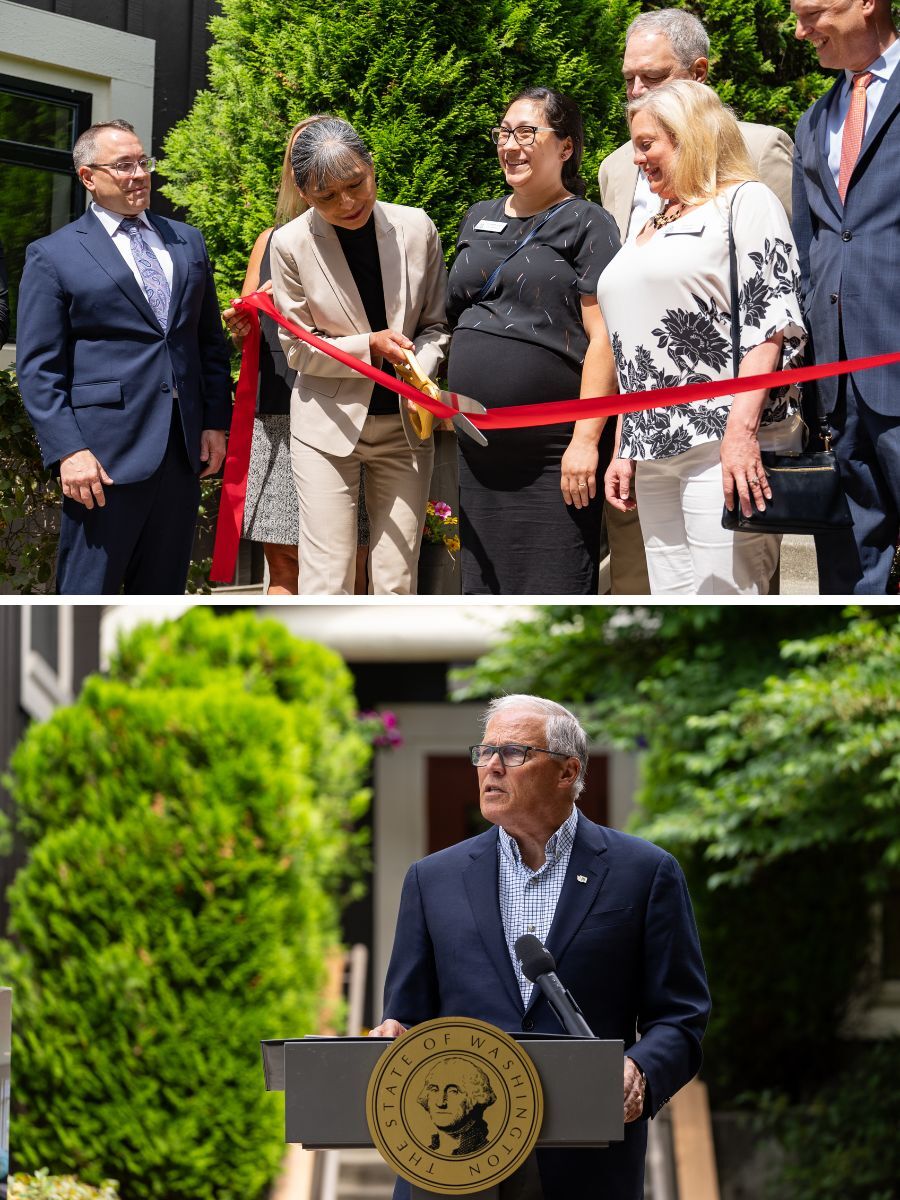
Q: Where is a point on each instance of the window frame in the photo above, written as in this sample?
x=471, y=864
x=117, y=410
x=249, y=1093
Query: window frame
x=41, y=688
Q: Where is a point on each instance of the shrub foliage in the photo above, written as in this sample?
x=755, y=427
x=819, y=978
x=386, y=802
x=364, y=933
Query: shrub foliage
x=423, y=82
x=188, y=844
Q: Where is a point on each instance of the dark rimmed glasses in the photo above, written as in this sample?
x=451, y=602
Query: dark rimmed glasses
x=524, y=134
x=512, y=754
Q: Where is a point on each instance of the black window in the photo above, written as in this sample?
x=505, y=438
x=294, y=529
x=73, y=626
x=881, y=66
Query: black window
x=39, y=191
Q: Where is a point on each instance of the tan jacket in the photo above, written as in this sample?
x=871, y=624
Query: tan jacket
x=771, y=151
x=312, y=286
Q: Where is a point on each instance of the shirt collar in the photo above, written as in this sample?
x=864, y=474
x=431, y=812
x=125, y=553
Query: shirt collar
x=558, y=844
x=112, y=220
x=883, y=67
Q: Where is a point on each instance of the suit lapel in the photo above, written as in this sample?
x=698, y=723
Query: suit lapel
x=481, y=881
x=333, y=262
x=392, y=256
x=819, y=130
x=178, y=250
x=622, y=216
x=100, y=246
x=576, y=898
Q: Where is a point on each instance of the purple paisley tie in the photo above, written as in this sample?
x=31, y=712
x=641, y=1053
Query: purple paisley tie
x=153, y=277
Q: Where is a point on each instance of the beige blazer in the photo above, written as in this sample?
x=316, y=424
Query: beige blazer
x=771, y=151
x=312, y=286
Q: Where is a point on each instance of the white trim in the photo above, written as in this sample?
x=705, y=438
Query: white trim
x=41, y=689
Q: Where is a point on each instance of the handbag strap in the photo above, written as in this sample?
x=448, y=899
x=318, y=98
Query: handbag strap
x=489, y=283
x=733, y=271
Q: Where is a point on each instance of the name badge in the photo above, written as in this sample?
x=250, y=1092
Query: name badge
x=491, y=226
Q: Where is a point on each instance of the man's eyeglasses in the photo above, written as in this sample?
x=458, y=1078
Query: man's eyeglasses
x=128, y=166
x=512, y=754
x=524, y=134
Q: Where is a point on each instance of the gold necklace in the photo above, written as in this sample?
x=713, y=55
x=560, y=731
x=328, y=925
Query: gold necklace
x=670, y=212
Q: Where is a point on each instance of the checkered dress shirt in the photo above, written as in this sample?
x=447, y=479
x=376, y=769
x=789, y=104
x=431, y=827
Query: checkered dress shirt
x=528, y=899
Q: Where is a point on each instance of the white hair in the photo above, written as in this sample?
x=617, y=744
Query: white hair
x=563, y=730
x=687, y=37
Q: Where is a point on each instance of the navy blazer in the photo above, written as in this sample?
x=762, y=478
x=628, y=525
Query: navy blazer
x=96, y=369
x=625, y=944
x=850, y=253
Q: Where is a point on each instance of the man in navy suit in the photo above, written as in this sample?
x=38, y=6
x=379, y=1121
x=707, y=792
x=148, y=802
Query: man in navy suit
x=612, y=909
x=847, y=225
x=124, y=372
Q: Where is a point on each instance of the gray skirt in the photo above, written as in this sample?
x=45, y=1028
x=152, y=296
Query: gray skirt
x=271, y=512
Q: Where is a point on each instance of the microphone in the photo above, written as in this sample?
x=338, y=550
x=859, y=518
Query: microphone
x=539, y=966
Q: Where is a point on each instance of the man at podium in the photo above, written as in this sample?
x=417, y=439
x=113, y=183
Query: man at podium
x=612, y=909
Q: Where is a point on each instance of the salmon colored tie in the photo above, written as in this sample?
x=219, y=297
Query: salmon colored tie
x=854, y=128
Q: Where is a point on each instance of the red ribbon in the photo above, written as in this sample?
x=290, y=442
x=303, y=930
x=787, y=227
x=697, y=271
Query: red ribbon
x=234, y=485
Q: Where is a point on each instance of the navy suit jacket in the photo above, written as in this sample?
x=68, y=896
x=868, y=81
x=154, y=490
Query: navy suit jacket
x=96, y=369
x=625, y=945
x=850, y=253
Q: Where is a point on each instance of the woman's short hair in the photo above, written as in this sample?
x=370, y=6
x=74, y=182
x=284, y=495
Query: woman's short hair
x=563, y=116
x=328, y=149
x=683, y=31
x=710, y=150
x=563, y=730
x=289, y=203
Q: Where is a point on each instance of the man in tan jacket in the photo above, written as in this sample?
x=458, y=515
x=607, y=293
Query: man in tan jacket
x=660, y=46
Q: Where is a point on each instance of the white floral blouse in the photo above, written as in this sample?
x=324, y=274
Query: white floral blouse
x=667, y=307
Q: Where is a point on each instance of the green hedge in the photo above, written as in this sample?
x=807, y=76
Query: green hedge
x=841, y=1144
x=43, y=1186
x=423, y=81
x=188, y=848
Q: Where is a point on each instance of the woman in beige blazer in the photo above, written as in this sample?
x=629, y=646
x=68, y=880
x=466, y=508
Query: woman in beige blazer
x=369, y=278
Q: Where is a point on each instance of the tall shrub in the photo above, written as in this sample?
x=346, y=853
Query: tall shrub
x=181, y=888
x=423, y=81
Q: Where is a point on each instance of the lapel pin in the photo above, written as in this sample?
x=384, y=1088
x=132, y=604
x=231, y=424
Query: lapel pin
x=581, y=878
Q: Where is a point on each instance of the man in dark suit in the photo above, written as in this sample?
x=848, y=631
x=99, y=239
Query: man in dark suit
x=124, y=372
x=847, y=225
x=612, y=909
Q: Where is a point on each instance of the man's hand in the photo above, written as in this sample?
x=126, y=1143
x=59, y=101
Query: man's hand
x=633, y=1091
x=212, y=450
x=82, y=478
x=387, y=1029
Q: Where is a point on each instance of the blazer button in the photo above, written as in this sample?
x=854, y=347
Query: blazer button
x=528, y=1023
x=834, y=297
x=164, y=387
x=846, y=236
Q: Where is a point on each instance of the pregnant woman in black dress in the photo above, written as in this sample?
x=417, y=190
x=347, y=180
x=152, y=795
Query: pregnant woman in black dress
x=522, y=301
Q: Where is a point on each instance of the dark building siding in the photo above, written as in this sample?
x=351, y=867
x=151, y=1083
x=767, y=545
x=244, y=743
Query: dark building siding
x=180, y=30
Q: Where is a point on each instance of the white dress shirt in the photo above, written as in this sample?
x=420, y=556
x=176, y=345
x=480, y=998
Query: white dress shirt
x=112, y=222
x=644, y=206
x=882, y=69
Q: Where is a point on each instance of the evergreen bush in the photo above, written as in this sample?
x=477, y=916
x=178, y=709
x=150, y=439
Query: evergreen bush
x=423, y=82
x=182, y=886
x=43, y=1186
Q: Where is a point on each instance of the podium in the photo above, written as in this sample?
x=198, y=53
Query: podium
x=324, y=1080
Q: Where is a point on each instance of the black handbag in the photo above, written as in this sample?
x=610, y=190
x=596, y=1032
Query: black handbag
x=807, y=496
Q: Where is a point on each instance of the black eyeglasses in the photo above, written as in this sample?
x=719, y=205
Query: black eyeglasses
x=512, y=754
x=524, y=134
x=128, y=166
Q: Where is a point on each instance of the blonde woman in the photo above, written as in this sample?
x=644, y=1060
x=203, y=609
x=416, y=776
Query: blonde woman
x=666, y=304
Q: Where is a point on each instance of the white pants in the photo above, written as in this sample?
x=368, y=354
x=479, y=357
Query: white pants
x=680, y=507
x=397, y=483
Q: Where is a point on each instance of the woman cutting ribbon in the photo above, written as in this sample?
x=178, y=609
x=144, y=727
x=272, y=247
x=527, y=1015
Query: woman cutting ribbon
x=370, y=278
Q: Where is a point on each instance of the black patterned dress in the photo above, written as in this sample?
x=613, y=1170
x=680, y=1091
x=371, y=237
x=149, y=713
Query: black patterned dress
x=523, y=342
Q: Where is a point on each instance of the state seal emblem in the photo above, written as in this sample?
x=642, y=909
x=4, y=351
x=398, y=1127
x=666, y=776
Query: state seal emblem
x=454, y=1105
